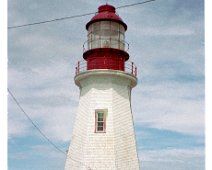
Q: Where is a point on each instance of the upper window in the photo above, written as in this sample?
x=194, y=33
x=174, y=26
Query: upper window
x=100, y=122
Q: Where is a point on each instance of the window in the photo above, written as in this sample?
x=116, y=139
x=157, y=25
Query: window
x=100, y=122
x=106, y=34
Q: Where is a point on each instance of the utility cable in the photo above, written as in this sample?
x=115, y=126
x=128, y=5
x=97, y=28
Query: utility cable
x=36, y=127
x=52, y=20
x=74, y=16
x=138, y=3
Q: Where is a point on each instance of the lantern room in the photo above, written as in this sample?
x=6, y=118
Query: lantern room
x=106, y=29
x=105, y=47
x=106, y=34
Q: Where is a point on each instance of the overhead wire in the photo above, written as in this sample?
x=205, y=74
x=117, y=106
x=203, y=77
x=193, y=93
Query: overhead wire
x=138, y=3
x=32, y=122
x=38, y=129
x=52, y=20
x=73, y=16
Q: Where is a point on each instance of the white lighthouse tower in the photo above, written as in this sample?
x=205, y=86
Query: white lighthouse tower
x=103, y=136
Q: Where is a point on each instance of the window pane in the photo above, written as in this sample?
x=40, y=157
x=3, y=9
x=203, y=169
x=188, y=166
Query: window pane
x=89, y=29
x=114, y=34
x=105, y=25
x=121, y=37
x=114, y=26
x=100, y=119
x=122, y=30
x=114, y=43
x=96, y=26
x=105, y=33
x=100, y=129
x=100, y=124
x=100, y=114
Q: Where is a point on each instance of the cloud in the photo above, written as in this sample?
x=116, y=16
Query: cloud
x=18, y=128
x=34, y=51
x=170, y=60
x=166, y=43
x=175, y=31
x=48, y=99
x=192, y=159
x=171, y=106
x=40, y=73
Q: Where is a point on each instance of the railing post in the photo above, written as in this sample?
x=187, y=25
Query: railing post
x=132, y=67
x=78, y=67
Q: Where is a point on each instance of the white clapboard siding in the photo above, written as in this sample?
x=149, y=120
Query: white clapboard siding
x=115, y=149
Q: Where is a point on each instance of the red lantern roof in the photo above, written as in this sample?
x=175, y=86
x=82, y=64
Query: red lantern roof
x=106, y=13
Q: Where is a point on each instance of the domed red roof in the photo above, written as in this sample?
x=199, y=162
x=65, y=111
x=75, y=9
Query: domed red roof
x=106, y=13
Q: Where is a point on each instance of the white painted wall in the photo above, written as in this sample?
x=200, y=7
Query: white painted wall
x=115, y=149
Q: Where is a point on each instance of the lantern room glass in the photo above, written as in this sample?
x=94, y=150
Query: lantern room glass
x=106, y=34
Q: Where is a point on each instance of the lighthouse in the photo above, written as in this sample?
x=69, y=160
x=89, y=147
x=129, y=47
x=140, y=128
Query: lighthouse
x=103, y=137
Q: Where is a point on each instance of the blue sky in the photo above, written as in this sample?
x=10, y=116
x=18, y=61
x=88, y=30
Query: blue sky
x=166, y=40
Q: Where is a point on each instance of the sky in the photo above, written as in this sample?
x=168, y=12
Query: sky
x=166, y=40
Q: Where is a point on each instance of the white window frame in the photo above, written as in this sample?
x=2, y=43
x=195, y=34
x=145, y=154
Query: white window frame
x=97, y=121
